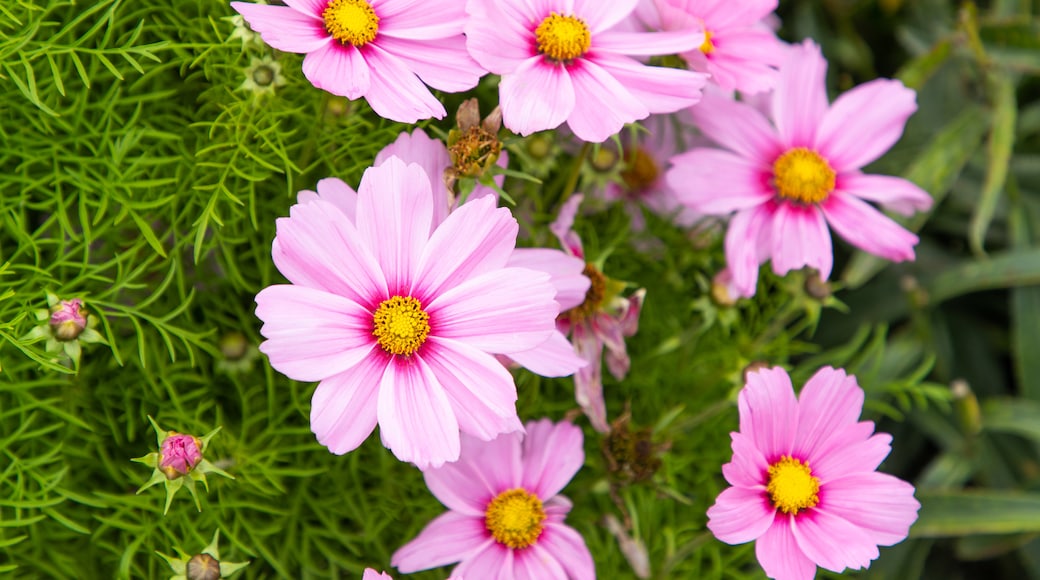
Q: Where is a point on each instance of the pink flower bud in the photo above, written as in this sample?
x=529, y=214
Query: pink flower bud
x=179, y=455
x=68, y=320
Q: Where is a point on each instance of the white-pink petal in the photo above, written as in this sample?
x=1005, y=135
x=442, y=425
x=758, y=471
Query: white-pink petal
x=800, y=99
x=536, y=96
x=801, y=238
x=432, y=156
x=599, y=15
x=602, y=104
x=444, y=65
x=647, y=43
x=416, y=421
x=333, y=190
x=569, y=549
x=893, y=193
x=738, y=127
x=565, y=272
x=769, y=412
x=717, y=182
x=868, y=229
x=283, y=27
x=395, y=92
x=740, y=515
x=338, y=69
x=343, y=408
x=660, y=89
x=552, y=454
x=420, y=19
x=746, y=246
x=864, y=123
x=449, y=538
x=553, y=358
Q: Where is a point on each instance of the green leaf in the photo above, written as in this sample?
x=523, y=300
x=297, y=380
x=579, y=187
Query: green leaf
x=947, y=514
x=1004, y=270
x=1012, y=415
x=1001, y=142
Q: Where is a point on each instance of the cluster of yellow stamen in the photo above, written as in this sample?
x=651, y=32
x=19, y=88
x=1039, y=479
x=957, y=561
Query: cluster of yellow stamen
x=351, y=21
x=400, y=325
x=562, y=38
x=707, y=47
x=515, y=518
x=792, y=486
x=802, y=175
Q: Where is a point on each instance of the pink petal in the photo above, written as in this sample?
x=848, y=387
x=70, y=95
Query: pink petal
x=740, y=515
x=565, y=272
x=602, y=104
x=851, y=453
x=481, y=391
x=717, y=182
x=893, y=193
x=769, y=412
x=588, y=381
x=317, y=247
x=599, y=15
x=311, y=334
x=462, y=485
x=866, y=228
x=534, y=563
x=801, y=238
x=444, y=64
x=415, y=418
x=474, y=239
x=830, y=401
x=553, y=453
x=881, y=505
x=395, y=92
x=749, y=467
x=647, y=43
x=284, y=28
x=738, y=127
x=568, y=548
x=371, y=574
x=779, y=554
x=553, y=358
x=333, y=190
x=660, y=89
x=536, y=96
x=833, y=542
x=394, y=213
x=313, y=8
x=420, y=19
x=449, y=538
x=562, y=227
x=504, y=311
x=338, y=69
x=800, y=100
x=343, y=408
x=864, y=122
x=746, y=246
x=498, y=460
x=494, y=561
x=432, y=156
x=497, y=37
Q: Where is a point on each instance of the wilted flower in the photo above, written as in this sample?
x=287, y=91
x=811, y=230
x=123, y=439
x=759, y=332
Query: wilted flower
x=205, y=565
x=263, y=76
x=180, y=462
x=473, y=145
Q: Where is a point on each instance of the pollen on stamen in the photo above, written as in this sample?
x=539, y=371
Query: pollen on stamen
x=400, y=325
x=562, y=38
x=792, y=487
x=351, y=21
x=515, y=518
x=707, y=47
x=802, y=175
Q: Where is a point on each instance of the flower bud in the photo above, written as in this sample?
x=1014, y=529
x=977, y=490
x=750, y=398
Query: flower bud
x=68, y=319
x=203, y=567
x=179, y=454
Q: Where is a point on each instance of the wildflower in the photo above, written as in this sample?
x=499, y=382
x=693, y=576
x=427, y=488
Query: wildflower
x=179, y=462
x=739, y=50
x=505, y=511
x=787, y=183
x=205, y=565
x=382, y=50
x=263, y=76
x=804, y=480
x=238, y=353
x=66, y=326
x=560, y=61
x=603, y=319
x=400, y=318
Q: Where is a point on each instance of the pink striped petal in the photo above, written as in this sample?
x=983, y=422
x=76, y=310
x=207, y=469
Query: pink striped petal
x=745, y=246
x=449, y=538
x=740, y=515
x=415, y=418
x=868, y=229
x=371, y=574
x=338, y=69
x=893, y=193
x=717, y=182
x=420, y=19
x=312, y=8
x=892, y=507
x=497, y=36
x=333, y=190
x=779, y=555
x=498, y=460
x=553, y=453
x=738, y=127
x=493, y=561
x=553, y=358
x=660, y=89
x=534, y=563
x=284, y=28
x=563, y=226
x=444, y=65
x=482, y=393
x=312, y=334
x=829, y=402
x=343, y=408
x=801, y=238
x=800, y=99
x=394, y=213
x=588, y=381
x=599, y=15
x=833, y=542
x=647, y=43
x=474, y=239
x=536, y=96
x=569, y=549
x=769, y=412
x=432, y=156
x=849, y=453
x=395, y=92
x=864, y=122
x=602, y=104
x=749, y=467
x=565, y=271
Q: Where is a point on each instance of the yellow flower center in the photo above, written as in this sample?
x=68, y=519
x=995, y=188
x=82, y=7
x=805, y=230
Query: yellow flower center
x=791, y=486
x=562, y=38
x=802, y=175
x=351, y=21
x=707, y=47
x=401, y=325
x=514, y=518
x=641, y=171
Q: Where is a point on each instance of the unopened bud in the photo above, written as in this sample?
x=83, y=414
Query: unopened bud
x=179, y=454
x=203, y=567
x=68, y=319
x=966, y=407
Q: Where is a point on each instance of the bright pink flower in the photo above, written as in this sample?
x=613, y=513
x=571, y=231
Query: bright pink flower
x=506, y=517
x=376, y=49
x=789, y=180
x=399, y=319
x=804, y=478
x=179, y=454
x=560, y=61
x=739, y=50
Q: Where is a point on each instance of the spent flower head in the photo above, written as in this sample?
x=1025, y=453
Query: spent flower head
x=262, y=76
x=205, y=565
x=179, y=462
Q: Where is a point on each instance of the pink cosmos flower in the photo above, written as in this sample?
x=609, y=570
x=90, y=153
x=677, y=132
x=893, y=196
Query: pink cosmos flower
x=602, y=319
x=382, y=50
x=804, y=478
x=506, y=517
x=739, y=50
x=788, y=181
x=179, y=454
x=400, y=320
x=560, y=61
